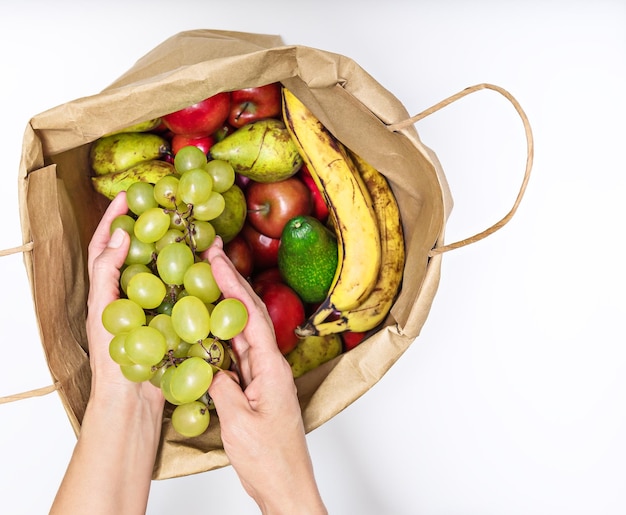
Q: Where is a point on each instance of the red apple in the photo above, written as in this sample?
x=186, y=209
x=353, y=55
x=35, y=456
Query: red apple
x=320, y=209
x=272, y=204
x=251, y=104
x=239, y=252
x=351, y=339
x=264, y=249
x=201, y=119
x=179, y=141
x=286, y=311
x=265, y=277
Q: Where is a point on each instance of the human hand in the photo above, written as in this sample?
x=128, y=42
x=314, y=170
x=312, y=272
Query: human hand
x=260, y=417
x=106, y=255
x=111, y=467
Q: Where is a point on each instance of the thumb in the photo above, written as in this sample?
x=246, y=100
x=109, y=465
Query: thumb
x=104, y=285
x=228, y=396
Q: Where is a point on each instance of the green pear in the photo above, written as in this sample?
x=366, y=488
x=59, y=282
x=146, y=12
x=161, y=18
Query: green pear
x=313, y=351
x=145, y=126
x=118, y=152
x=261, y=150
x=230, y=222
x=111, y=184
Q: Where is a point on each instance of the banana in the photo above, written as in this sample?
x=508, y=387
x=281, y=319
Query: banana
x=373, y=310
x=149, y=171
x=350, y=207
x=118, y=152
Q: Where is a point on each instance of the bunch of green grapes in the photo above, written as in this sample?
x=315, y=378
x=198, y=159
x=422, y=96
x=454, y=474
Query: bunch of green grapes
x=171, y=325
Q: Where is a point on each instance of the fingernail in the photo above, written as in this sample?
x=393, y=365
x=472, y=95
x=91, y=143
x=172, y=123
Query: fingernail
x=116, y=239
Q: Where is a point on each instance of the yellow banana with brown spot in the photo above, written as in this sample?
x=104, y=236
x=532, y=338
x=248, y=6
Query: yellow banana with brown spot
x=349, y=203
x=373, y=310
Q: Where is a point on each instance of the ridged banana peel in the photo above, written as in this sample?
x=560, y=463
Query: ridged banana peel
x=350, y=207
x=373, y=310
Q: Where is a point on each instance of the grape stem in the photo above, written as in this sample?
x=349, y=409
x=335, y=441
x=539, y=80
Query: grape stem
x=184, y=219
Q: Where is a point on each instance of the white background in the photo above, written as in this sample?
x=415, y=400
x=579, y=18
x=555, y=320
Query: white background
x=512, y=400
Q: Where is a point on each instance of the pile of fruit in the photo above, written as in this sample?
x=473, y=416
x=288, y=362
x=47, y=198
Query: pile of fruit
x=313, y=227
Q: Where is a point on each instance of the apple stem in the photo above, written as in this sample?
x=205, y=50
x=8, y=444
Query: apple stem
x=244, y=108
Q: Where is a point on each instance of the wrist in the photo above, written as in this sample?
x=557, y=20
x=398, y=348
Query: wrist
x=303, y=503
x=293, y=493
x=132, y=409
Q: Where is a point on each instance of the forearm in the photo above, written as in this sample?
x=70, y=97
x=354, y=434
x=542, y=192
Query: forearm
x=282, y=480
x=111, y=468
x=299, y=494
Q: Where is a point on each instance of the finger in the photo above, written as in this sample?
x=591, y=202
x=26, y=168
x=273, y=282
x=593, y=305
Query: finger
x=105, y=273
x=230, y=281
x=228, y=396
x=233, y=285
x=102, y=235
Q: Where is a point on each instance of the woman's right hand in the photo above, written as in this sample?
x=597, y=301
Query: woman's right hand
x=260, y=417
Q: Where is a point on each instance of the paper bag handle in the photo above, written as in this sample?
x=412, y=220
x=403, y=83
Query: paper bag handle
x=529, y=157
x=37, y=392
x=26, y=247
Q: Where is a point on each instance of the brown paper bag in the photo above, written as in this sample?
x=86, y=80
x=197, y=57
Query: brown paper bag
x=60, y=210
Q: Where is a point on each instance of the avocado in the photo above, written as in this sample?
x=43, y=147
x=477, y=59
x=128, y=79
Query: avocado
x=308, y=257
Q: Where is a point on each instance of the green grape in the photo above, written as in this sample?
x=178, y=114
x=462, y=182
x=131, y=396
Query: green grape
x=178, y=218
x=211, y=350
x=198, y=350
x=140, y=196
x=173, y=261
x=125, y=222
x=145, y=345
x=221, y=357
x=228, y=319
x=210, y=209
x=188, y=158
x=137, y=373
x=166, y=191
x=163, y=323
x=182, y=349
x=166, y=384
x=152, y=224
x=158, y=375
x=129, y=272
x=191, y=319
x=191, y=419
x=146, y=289
x=117, y=350
x=139, y=252
x=122, y=315
x=191, y=380
x=223, y=174
x=165, y=308
x=195, y=186
x=171, y=236
x=200, y=282
x=207, y=401
x=201, y=235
